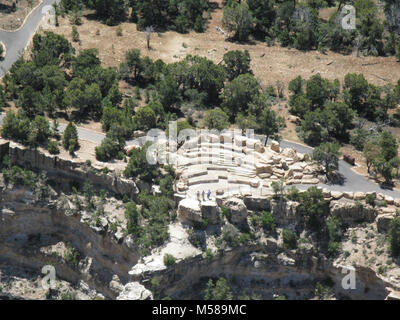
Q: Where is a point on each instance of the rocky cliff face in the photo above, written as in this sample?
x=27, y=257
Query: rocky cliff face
x=34, y=234
x=269, y=269
x=265, y=270
x=65, y=171
x=28, y=229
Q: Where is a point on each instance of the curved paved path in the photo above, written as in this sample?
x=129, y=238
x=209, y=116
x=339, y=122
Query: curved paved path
x=352, y=181
x=16, y=42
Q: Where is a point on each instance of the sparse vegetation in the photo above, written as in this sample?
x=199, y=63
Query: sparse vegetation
x=169, y=260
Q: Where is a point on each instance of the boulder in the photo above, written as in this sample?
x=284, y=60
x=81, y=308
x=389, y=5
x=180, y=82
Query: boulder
x=189, y=211
x=389, y=200
x=263, y=168
x=289, y=174
x=129, y=150
x=283, y=259
x=259, y=147
x=297, y=167
x=380, y=197
x=238, y=210
x=294, y=119
x=275, y=146
x=298, y=175
x=116, y=285
x=310, y=181
x=139, y=134
x=278, y=172
x=326, y=193
x=359, y=196
x=135, y=291
x=336, y=195
x=348, y=195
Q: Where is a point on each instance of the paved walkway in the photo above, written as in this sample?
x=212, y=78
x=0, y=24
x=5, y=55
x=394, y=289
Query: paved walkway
x=17, y=41
x=353, y=182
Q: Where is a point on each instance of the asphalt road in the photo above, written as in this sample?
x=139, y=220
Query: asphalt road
x=16, y=42
x=352, y=182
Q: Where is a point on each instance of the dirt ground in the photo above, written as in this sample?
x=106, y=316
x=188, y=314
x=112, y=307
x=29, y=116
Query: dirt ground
x=13, y=20
x=278, y=63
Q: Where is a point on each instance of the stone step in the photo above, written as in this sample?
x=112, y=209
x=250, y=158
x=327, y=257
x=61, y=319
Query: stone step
x=201, y=180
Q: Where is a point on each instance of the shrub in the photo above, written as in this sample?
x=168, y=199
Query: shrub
x=70, y=138
x=268, y=221
x=68, y=296
x=238, y=18
x=132, y=217
x=53, y=147
x=226, y=212
x=202, y=225
x=75, y=34
x=322, y=291
x=334, y=227
x=199, y=24
x=293, y=194
x=333, y=249
x=218, y=291
x=139, y=167
x=71, y=255
x=169, y=260
x=289, y=239
x=370, y=199
x=314, y=208
x=108, y=150
x=216, y=119
x=209, y=255
x=18, y=176
x=119, y=31
x=231, y=235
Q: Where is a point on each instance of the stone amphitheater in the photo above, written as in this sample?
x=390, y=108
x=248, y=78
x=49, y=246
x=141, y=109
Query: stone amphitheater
x=231, y=164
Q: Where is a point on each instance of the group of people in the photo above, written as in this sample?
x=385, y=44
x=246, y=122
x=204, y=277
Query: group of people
x=203, y=195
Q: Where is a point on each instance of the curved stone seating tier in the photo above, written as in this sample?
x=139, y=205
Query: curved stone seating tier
x=229, y=147
x=238, y=166
x=190, y=175
x=201, y=180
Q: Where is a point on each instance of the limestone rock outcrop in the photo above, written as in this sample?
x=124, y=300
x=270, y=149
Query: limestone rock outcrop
x=350, y=212
x=189, y=211
x=210, y=211
x=383, y=222
x=238, y=210
x=135, y=291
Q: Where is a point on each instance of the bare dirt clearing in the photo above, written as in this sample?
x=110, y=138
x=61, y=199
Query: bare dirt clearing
x=278, y=63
